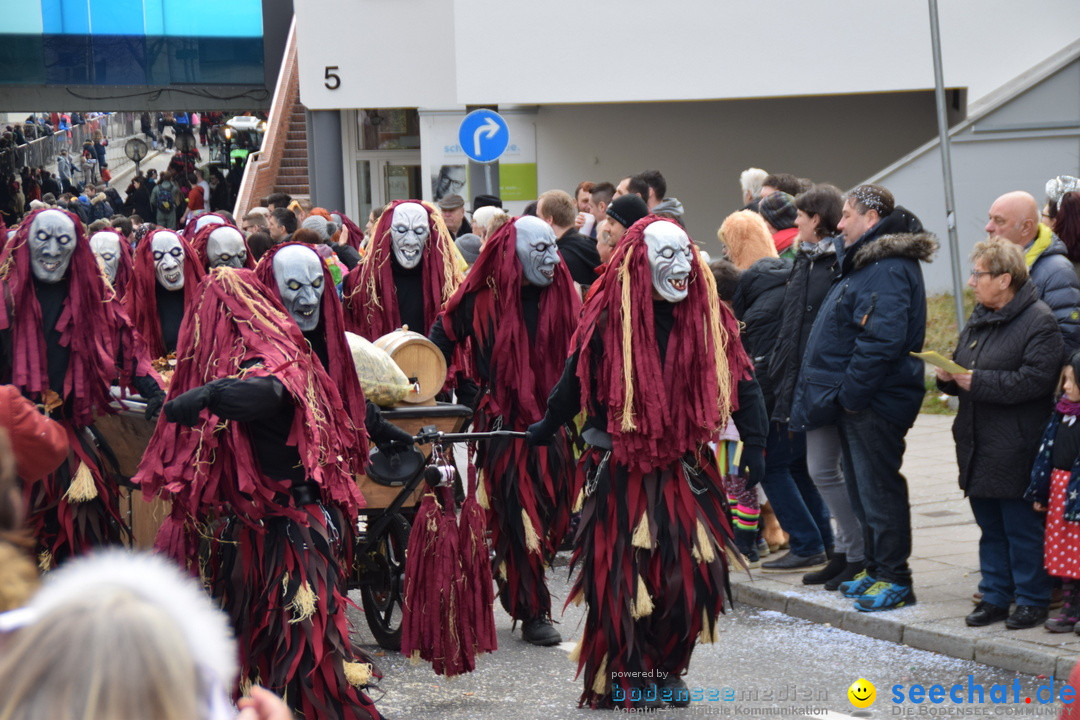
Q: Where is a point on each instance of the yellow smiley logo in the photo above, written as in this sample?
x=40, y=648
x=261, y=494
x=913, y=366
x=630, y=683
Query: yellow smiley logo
x=862, y=693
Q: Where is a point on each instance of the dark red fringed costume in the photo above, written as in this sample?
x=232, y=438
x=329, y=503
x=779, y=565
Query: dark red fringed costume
x=202, y=237
x=527, y=491
x=650, y=548
x=372, y=306
x=76, y=507
x=141, y=301
x=280, y=528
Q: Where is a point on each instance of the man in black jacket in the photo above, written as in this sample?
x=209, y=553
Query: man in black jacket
x=557, y=209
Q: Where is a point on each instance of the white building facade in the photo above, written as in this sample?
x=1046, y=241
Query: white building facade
x=835, y=91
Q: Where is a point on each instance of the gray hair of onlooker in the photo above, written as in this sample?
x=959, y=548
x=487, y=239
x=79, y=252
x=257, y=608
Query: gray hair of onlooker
x=321, y=226
x=751, y=180
x=1000, y=256
x=486, y=220
x=1056, y=189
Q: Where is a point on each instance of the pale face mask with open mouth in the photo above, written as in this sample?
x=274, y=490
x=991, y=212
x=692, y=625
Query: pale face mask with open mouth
x=168, y=260
x=225, y=248
x=106, y=247
x=536, y=250
x=52, y=242
x=409, y=232
x=670, y=256
x=299, y=275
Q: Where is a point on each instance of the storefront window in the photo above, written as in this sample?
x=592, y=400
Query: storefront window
x=389, y=129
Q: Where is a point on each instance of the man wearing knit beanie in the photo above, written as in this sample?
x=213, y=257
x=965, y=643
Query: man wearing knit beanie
x=623, y=212
x=779, y=211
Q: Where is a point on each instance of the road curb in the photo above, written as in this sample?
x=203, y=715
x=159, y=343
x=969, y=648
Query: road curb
x=946, y=635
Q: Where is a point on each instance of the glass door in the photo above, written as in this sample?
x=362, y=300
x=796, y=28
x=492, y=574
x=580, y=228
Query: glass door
x=402, y=181
x=384, y=177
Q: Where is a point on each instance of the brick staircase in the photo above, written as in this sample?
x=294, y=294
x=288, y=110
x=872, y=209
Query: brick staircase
x=282, y=163
x=292, y=177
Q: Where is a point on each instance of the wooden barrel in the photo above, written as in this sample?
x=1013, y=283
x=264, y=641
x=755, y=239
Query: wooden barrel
x=421, y=361
x=127, y=434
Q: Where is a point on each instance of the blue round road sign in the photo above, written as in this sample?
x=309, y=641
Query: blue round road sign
x=483, y=135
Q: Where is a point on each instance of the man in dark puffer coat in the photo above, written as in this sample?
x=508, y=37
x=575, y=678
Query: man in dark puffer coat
x=858, y=374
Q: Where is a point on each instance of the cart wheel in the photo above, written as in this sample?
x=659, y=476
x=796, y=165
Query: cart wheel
x=382, y=594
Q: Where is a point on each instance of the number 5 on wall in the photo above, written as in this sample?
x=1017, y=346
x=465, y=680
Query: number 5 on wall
x=333, y=80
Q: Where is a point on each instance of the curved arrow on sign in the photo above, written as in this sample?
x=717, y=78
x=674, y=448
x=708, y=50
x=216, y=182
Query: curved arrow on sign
x=489, y=129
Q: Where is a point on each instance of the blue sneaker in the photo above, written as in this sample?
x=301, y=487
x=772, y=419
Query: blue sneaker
x=885, y=596
x=857, y=586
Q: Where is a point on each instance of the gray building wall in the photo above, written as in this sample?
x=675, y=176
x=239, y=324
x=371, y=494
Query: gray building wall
x=1018, y=144
x=701, y=147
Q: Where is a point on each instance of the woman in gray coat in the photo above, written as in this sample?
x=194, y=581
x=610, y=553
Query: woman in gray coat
x=1012, y=347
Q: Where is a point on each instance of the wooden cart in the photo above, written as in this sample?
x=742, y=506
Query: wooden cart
x=127, y=434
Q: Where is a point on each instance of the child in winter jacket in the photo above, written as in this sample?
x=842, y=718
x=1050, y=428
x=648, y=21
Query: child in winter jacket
x=1055, y=490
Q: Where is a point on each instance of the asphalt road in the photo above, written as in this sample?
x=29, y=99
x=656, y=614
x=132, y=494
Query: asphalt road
x=774, y=665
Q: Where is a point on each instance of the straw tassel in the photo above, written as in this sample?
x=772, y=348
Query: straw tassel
x=532, y=540
x=642, y=606
x=579, y=503
x=575, y=654
x=303, y=603
x=628, y=424
x=703, y=547
x=720, y=340
x=642, y=535
x=357, y=674
x=708, y=628
x=481, y=495
x=600, y=679
x=82, y=486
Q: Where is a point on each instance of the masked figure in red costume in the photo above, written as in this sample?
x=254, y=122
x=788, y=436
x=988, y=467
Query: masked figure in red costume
x=659, y=369
x=63, y=343
x=220, y=245
x=167, y=274
x=518, y=307
x=260, y=452
x=406, y=275
x=115, y=258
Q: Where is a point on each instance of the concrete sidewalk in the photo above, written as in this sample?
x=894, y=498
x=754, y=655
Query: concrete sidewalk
x=945, y=563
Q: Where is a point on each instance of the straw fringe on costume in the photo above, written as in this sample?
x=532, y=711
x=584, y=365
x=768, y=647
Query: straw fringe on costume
x=103, y=349
x=524, y=487
x=277, y=567
x=650, y=550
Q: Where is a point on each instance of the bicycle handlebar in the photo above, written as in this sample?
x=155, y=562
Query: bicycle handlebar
x=430, y=435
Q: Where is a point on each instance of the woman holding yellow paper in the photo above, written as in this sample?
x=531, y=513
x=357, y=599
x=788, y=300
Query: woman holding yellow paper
x=1012, y=346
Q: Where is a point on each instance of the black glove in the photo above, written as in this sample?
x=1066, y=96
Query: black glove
x=466, y=392
x=752, y=465
x=392, y=438
x=153, y=406
x=540, y=433
x=185, y=409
